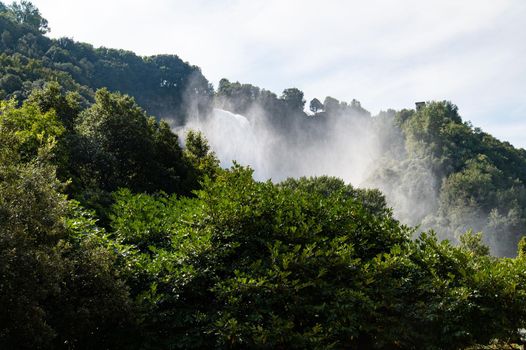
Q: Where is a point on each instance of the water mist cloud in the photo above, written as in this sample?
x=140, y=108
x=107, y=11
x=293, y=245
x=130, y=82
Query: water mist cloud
x=357, y=149
x=251, y=140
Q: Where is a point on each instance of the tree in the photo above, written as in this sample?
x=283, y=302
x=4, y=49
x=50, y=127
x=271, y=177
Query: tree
x=60, y=288
x=308, y=263
x=473, y=243
x=123, y=147
x=331, y=105
x=26, y=13
x=224, y=87
x=522, y=248
x=26, y=130
x=289, y=253
x=10, y=83
x=315, y=105
x=67, y=105
x=293, y=98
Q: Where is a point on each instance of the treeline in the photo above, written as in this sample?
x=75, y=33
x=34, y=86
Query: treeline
x=285, y=113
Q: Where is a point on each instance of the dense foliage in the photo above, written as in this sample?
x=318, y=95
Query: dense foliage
x=114, y=236
x=480, y=180
x=307, y=263
x=164, y=85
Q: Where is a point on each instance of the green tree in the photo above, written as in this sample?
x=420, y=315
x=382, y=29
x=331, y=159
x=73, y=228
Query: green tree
x=473, y=243
x=127, y=148
x=67, y=105
x=291, y=254
x=59, y=286
x=293, y=98
x=10, y=82
x=26, y=13
x=27, y=130
x=57, y=291
x=202, y=160
x=522, y=248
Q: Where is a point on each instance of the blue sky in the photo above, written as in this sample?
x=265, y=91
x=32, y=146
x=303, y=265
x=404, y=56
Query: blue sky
x=384, y=53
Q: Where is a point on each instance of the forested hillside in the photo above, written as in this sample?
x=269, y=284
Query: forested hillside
x=115, y=236
x=164, y=85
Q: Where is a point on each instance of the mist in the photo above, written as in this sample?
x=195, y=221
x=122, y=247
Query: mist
x=367, y=152
x=249, y=140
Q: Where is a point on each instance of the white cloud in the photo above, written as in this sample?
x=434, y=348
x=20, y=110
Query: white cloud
x=384, y=53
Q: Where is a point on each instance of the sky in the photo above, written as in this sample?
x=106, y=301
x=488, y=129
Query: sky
x=384, y=53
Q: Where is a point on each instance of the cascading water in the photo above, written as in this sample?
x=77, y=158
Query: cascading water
x=252, y=141
x=233, y=138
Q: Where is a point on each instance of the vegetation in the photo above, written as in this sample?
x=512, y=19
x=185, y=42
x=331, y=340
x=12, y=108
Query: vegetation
x=164, y=85
x=112, y=235
x=459, y=176
x=481, y=180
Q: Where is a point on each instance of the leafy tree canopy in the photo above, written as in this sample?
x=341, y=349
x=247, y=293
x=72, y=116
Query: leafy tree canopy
x=26, y=13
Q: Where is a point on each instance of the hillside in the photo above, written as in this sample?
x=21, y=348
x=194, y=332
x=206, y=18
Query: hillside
x=162, y=84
